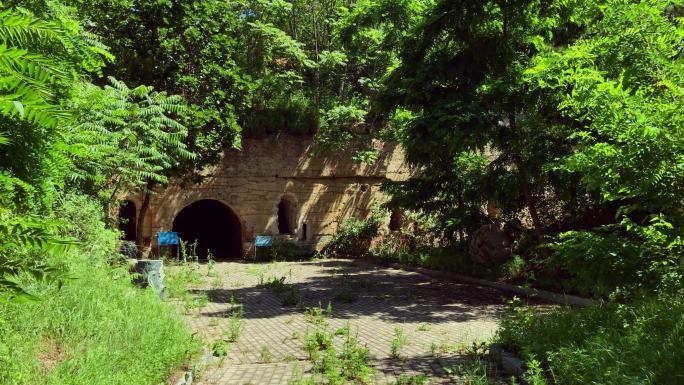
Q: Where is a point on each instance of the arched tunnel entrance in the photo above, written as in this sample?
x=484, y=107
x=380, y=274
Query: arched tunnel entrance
x=213, y=225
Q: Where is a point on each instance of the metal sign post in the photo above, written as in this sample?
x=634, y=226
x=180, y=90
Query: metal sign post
x=167, y=238
x=262, y=241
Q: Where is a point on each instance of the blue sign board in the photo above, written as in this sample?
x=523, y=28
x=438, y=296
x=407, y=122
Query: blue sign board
x=167, y=238
x=263, y=241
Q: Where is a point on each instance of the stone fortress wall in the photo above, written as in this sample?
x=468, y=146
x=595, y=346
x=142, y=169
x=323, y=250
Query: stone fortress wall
x=278, y=176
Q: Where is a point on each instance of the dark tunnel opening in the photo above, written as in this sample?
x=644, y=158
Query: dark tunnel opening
x=214, y=226
x=127, y=220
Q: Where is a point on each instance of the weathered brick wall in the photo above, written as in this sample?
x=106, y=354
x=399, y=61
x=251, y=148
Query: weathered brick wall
x=326, y=189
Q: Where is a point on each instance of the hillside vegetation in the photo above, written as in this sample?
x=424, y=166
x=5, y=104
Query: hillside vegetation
x=563, y=117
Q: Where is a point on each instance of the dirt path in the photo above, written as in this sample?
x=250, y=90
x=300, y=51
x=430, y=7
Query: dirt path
x=438, y=318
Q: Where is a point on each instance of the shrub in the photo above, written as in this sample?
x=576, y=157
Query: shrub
x=353, y=239
x=129, y=249
x=623, y=259
x=639, y=343
x=286, y=250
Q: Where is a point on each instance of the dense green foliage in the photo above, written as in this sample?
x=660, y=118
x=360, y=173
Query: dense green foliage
x=261, y=67
x=353, y=239
x=128, y=334
x=61, y=133
x=639, y=343
x=564, y=115
x=68, y=310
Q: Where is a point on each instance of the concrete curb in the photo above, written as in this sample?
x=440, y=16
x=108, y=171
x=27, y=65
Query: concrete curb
x=507, y=362
x=543, y=294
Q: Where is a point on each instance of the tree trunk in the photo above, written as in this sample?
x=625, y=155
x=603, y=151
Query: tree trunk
x=459, y=204
x=531, y=205
x=318, y=71
x=139, y=237
x=293, y=22
x=525, y=185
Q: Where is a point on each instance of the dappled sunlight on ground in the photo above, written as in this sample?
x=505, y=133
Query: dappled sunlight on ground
x=438, y=318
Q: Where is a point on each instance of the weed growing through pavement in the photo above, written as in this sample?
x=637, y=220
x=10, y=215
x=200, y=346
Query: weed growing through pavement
x=257, y=271
x=346, y=366
x=476, y=349
x=236, y=321
x=319, y=341
x=343, y=331
x=291, y=297
x=314, y=315
x=288, y=292
x=265, y=355
x=211, y=265
x=398, y=342
x=473, y=372
x=183, y=273
x=219, y=348
x=217, y=282
x=423, y=327
x=195, y=302
x=443, y=346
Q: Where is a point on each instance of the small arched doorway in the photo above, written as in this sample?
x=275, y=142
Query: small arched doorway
x=395, y=221
x=127, y=217
x=286, y=216
x=213, y=226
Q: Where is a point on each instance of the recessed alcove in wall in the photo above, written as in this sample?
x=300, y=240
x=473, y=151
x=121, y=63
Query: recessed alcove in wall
x=213, y=225
x=127, y=220
x=286, y=216
x=395, y=221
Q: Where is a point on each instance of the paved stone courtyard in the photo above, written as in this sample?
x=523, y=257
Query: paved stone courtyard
x=438, y=318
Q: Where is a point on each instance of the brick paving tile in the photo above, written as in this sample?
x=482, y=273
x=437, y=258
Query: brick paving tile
x=436, y=317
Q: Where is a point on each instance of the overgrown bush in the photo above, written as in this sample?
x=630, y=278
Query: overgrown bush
x=399, y=246
x=613, y=344
x=623, y=260
x=452, y=258
x=97, y=328
x=353, y=239
x=286, y=250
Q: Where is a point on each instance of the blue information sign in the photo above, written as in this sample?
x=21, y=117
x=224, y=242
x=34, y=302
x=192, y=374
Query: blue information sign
x=167, y=238
x=263, y=241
